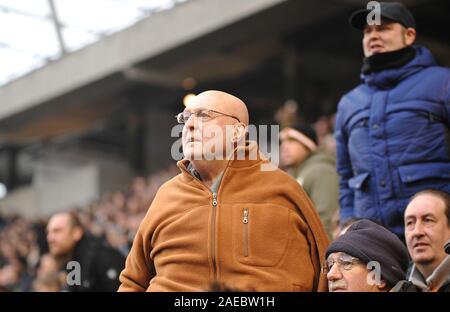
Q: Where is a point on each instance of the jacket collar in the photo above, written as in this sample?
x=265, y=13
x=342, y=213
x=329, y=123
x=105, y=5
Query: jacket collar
x=439, y=277
x=389, y=78
x=295, y=171
x=245, y=155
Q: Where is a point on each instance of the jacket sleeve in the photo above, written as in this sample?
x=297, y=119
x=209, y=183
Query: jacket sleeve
x=312, y=233
x=322, y=186
x=109, y=262
x=447, y=100
x=139, y=268
x=344, y=168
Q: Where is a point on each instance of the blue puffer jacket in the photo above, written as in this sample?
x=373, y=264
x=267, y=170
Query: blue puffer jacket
x=393, y=140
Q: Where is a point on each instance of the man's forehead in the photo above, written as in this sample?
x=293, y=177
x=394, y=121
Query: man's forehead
x=420, y=213
x=202, y=101
x=425, y=205
x=58, y=221
x=193, y=108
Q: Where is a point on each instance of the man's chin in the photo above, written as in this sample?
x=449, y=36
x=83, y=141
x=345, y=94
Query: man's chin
x=193, y=156
x=56, y=253
x=422, y=258
x=286, y=164
x=377, y=51
x=339, y=290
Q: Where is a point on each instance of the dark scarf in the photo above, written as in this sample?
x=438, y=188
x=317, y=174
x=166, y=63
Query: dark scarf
x=387, y=60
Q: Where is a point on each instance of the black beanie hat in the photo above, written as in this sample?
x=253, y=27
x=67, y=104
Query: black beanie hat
x=369, y=241
x=306, y=130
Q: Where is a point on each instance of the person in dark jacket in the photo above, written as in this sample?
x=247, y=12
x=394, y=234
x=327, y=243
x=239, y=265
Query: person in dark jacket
x=90, y=264
x=427, y=232
x=392, y=131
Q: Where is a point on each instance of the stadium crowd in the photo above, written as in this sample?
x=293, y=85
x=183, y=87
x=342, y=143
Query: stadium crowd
x=25, y=261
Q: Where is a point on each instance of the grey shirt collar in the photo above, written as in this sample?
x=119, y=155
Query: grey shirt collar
x=216, y=183
x=437, y=279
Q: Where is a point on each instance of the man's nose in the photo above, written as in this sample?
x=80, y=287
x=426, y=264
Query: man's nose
x=374, y=34
x=418, y=229
x=284, y=144
x=191, y=122
x=334, y=273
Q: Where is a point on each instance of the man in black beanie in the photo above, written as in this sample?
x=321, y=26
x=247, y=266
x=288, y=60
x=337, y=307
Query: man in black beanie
x=366, y=258
x=314, y=170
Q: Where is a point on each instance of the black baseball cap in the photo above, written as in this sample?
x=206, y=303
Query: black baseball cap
x=393, y=11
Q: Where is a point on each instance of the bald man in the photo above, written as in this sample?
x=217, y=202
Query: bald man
x=223, y=220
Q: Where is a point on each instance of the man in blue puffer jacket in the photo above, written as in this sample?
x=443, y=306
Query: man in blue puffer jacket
x=392, y=131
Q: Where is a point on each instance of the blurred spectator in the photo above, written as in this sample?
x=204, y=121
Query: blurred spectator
x=287, y=115
x=48, y=276
x=48, y=283
x=314, y=170
x=118, y=239
x=324, y=127
x=47, y=265
x=18, y=255
x=99, y=264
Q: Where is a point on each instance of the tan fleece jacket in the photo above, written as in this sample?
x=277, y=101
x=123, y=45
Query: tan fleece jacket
x=259, y=232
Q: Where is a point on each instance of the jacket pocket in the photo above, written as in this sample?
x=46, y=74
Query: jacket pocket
x=417, y=177
x=245, y=225
x=357, y=183
x=416, y=172
x=362, y=205
x=260, y=234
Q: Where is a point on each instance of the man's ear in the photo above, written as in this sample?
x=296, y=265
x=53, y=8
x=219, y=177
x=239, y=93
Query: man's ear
x=410, y=36
x=239, y=132
x=382, y=286
x=77, y=233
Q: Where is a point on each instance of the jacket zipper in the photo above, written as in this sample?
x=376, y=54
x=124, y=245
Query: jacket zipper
x=213, y=232
x=213, y=223
x=245, y=222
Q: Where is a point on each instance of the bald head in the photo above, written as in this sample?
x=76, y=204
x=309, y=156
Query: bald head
x=214, y=136
x=68, y=218
x=222, y=102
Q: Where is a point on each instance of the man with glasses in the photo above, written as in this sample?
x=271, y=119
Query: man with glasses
x=226, y=218
x=366, y=258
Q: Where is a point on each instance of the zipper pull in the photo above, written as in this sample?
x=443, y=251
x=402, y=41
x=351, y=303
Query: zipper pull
x=214, y=202
x=245, y=217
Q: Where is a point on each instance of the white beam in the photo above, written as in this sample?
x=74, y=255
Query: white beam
x=152, y=36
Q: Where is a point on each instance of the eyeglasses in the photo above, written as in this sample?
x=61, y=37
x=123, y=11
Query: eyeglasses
x=204, y=115
x=344, y=261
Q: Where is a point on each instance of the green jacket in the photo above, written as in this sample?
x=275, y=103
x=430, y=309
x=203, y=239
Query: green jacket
x=317, y=174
